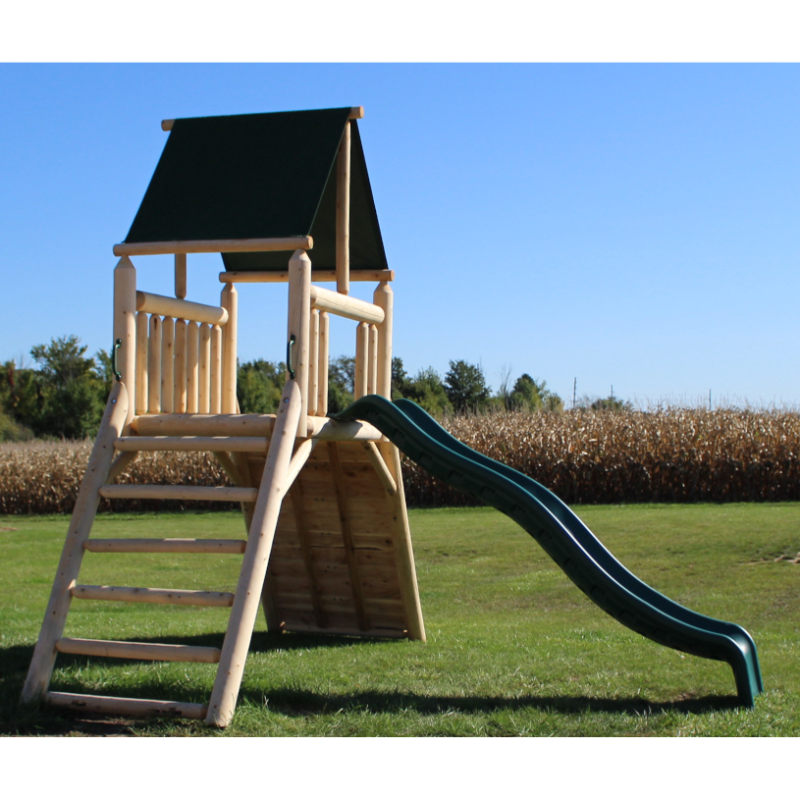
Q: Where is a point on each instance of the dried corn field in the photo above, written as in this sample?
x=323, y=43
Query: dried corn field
x=672, y=455
x=44, y=477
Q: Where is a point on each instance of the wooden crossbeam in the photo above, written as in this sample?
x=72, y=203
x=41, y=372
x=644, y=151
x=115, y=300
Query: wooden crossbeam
x=220, y=546
x=126, y=706
x=136, y=594
x=138, y=650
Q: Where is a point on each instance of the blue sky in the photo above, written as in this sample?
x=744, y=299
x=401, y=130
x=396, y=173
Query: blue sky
x=632, y=225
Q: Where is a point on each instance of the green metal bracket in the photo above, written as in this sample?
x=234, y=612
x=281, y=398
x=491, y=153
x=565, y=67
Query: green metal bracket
x=117, y=345
x=289, y=345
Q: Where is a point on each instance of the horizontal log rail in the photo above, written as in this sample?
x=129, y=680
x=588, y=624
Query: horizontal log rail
x=214, y=246
x=216, y=546
x=126, y=706
x=137, y=594
x=180, y=309
x=154, y=425
x=214, y=494
x=334, y=430
x=317, y=276
x=248, y=425
x=139, y=650
x=209, y=444
x=345, y=306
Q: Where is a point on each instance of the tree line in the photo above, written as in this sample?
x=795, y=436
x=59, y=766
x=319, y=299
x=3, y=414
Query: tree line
x=64, y=394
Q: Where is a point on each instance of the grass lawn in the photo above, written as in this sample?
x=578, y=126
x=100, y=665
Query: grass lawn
x=514, y=649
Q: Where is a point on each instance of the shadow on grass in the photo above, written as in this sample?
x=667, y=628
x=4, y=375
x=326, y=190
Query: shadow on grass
x=40, y=720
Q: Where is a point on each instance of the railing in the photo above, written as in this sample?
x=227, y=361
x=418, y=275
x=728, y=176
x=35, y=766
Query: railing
x=309, y=310
x=179, y=357
x=176, y=356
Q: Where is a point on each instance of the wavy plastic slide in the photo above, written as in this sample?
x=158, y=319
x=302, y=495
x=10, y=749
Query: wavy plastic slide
x=566, y=540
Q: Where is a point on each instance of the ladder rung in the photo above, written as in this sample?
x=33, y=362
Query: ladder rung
x=126, y=705
x=219, y=444
x=135, y=594
x=165, y=545
x=139, y=650
x=226, y=494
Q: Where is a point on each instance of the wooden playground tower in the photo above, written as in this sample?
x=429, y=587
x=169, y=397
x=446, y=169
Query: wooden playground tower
x=328, y=546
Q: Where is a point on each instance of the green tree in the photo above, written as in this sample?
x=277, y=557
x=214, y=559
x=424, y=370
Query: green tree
x=259, y=385
x=400, y=379
x=428, y=391
x=529, y=394
x=610, y=403
x=466, y=387
x=70, y=404
x=341, y=383
x=11, y=430
x=20, y=393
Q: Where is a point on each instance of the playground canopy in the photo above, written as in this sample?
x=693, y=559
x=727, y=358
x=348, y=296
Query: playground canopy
x=261, y=176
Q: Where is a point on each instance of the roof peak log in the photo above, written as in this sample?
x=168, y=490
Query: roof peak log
x=356, y=112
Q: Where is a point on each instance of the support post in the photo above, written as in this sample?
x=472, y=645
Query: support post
x=343, y=214
x=299, y=327
x=180, y=276
x=401, y=537
x=229, y=300
x=384, y=297
x=125, y=327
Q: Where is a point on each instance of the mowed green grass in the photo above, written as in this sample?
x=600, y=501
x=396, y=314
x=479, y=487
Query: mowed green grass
x=514, y=649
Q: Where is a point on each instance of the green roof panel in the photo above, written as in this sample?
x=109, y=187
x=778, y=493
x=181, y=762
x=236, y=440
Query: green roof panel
x=258, y=176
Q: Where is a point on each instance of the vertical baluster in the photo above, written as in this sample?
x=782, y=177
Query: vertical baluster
x=154, y=366
x=141, y=363
x=216, y=369
x=362, y=354
x=204, y=376
x=167, y=365
x=313, y=365
x=372, y=360
x=323, y=357
x=179, y=376
x=192, y=364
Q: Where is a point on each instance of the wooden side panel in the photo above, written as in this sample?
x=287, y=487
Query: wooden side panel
x=317, y=555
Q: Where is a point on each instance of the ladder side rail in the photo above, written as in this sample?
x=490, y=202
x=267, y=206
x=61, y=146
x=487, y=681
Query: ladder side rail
x=274, y=485
x=44, y=654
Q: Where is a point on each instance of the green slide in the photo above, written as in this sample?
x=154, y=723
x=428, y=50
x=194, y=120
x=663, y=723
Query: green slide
x=565, y=538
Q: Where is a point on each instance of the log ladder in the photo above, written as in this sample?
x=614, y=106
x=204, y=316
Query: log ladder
x=335, y=557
